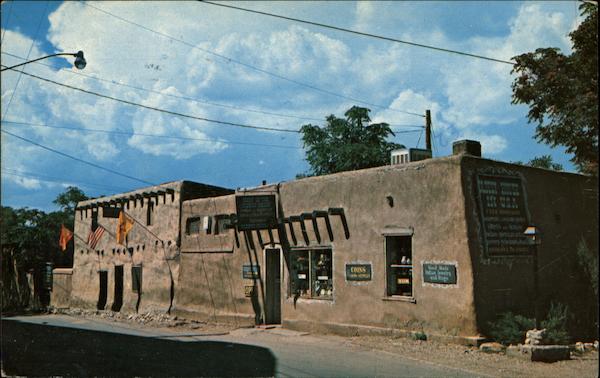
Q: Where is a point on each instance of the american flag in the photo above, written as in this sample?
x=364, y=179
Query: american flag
x=94, y=237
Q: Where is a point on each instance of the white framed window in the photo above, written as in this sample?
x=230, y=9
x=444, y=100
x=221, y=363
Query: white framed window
x=399, y=266
x=311, y=273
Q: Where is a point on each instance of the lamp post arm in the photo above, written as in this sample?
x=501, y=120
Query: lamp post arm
x=35, y=60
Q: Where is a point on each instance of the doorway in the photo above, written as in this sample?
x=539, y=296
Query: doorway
x=273, y=286
x=102, y=293
x=118, y=302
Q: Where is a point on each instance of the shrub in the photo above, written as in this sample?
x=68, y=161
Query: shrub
x=556, y=324
x=510, y=328
x=420, y=336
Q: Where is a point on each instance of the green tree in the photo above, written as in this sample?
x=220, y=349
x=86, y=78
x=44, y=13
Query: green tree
x=562, y=92
x=544, y=161
x=347, y=144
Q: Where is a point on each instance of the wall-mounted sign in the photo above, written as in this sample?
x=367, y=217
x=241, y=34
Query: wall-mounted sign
x=256, y=212
x=250, y=271
x=439, y=273
x=48, y=276
x=504, y=215
x=358, y=272
x=249, y=291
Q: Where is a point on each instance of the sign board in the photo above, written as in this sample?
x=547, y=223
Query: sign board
x=439, y=273
x=250, y=271
x=256, y=212
x=48, y=276
x=358, y=272
x=504, y=215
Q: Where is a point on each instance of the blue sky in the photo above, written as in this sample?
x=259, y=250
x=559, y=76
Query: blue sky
x=185, y=57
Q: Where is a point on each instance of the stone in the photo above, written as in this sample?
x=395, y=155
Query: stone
x=492, y=347
x=596, y=344
x=535, y=336
x=546, y=353
x=579, y=347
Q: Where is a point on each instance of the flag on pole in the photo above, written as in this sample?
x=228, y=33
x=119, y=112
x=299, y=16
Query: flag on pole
x=94, y=236
x=65, y=236
x=123, y=227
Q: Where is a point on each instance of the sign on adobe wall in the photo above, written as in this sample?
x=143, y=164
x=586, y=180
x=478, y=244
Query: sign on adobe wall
x=256, y=212
x=439, y=273
x=503, y=214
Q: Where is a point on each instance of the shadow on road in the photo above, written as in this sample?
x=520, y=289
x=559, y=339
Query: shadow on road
x=41, y=350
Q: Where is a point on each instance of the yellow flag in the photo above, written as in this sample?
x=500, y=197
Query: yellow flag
x=123, y=227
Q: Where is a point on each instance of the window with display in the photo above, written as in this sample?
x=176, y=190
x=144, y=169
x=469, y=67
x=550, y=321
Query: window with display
x=311, y=273
x=399, y=266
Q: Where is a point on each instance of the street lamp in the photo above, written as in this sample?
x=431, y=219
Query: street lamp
x=534, y=235
x=79, y=60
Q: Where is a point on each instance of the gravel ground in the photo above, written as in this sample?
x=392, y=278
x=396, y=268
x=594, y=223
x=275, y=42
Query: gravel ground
x=469, y=358
x=486, y=364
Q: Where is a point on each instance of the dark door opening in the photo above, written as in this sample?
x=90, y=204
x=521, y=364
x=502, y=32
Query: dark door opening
x=103, y=276
x=118, y=302
x=273, y=289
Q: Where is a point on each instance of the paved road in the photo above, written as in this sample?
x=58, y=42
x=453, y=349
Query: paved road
x=67, y=346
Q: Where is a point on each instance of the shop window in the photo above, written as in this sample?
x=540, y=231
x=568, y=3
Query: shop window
x=192, y=225
x=399, y=266
x=311, y=273
x=223, y=223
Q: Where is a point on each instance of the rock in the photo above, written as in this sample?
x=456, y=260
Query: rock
x=596, y=344
x=546, y=353
x=579, y=347
x=588, y=346
x=492, y=348
x=535, y=336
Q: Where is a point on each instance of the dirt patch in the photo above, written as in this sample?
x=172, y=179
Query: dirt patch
x=487, y=364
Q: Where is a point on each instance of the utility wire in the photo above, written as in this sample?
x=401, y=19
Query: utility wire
x=40, y=177
x=187, y=98
x=78, y=159
x=159, y=109
x=359, y=33
x=129, y=133
x=172, y=95
x=231, y=60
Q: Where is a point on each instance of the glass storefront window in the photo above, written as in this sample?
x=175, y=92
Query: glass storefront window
x=311, y=273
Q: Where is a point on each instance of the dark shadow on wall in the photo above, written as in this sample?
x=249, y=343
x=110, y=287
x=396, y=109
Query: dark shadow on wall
x=41, y=350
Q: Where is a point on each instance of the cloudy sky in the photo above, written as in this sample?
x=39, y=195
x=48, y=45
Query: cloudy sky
x=214, y=63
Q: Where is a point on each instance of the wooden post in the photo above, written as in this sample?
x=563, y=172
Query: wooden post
x=428, y=129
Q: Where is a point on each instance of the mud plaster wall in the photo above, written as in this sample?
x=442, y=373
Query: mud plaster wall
x=427, y=197
x=564, y=207
x=157, y=259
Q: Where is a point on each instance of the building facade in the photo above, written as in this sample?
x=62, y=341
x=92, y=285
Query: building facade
x=434, y=246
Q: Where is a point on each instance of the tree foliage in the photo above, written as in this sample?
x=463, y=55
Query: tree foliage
x=34, y=234
x=562, y=92
x=544, y=161
x=346, y=144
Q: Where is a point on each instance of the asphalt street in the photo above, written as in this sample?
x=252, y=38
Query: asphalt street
x=59, y=345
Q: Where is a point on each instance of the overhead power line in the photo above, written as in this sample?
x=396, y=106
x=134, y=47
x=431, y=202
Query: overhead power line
x=173, y=95
x=46, y=178
x=359, y=33
x=129, y=133
x=77, y=159
x=232, y=60
x=72, y=72
x=158, y=109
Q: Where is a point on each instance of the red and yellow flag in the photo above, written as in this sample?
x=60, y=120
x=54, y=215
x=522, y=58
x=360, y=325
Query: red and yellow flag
x=65, y=236
x=123, y=227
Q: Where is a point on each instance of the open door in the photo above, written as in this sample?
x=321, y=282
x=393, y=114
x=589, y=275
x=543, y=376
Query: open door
x=118, y=298
x=102, y=293
x=273, y=286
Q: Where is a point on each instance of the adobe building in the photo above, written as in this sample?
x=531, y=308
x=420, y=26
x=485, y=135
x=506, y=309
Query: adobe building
x=109, y=275
x=434, y=246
